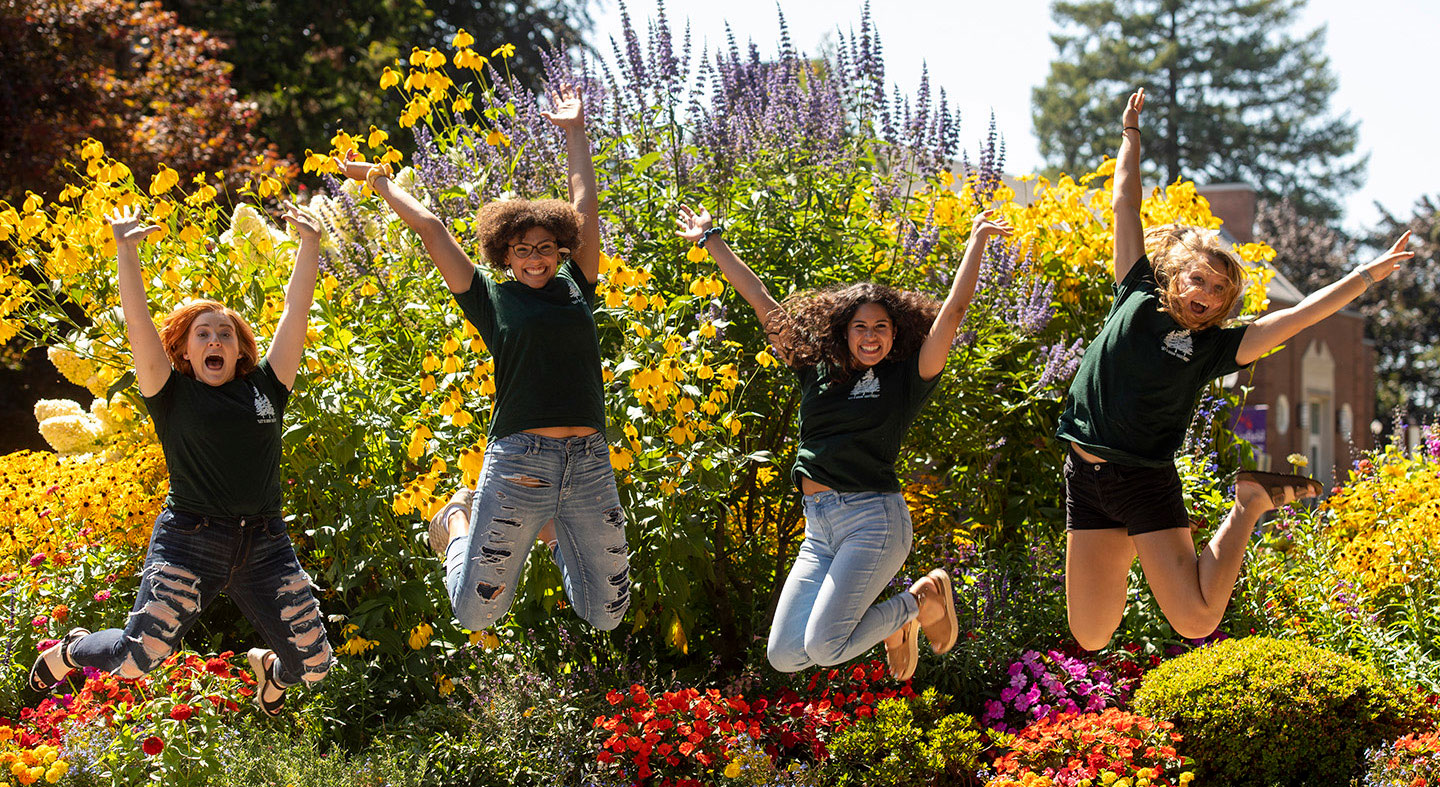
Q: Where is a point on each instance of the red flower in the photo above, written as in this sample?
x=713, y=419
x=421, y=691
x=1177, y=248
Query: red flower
x=614, y=697
x=181, y=712
x=152, y=746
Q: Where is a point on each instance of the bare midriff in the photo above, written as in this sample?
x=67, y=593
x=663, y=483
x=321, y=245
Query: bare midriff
x=809, y=487
x=563, y=431
x=1086, y=455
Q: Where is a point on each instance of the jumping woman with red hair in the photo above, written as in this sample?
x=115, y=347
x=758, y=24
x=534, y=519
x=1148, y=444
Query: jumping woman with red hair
x=217, y=408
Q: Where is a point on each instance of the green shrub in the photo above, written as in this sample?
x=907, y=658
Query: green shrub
x=907, y=743
x=1266, y=711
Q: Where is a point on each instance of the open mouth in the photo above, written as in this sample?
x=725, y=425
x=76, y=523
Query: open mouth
x=214, y=362
x=1198, y=309
x=870, y=349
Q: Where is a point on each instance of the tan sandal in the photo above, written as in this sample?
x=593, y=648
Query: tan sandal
x=1274, y=484
x=439, y=533
x=904, y=657
x=942, y=633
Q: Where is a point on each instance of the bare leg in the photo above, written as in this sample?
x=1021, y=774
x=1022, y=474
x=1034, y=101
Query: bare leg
x=1097, y=566
x=1194, y=590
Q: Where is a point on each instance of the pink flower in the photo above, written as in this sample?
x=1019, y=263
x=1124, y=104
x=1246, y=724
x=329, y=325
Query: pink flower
x=37, y=559
x=39, y=621
x=102, y=596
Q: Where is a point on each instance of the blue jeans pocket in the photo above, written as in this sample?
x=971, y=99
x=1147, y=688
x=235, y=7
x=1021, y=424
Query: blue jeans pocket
x=179, y=521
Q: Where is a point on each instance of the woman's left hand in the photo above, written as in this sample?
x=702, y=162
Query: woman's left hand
x=1386, y=263
x=569, y=112
x=305, y=222
x=990, y=224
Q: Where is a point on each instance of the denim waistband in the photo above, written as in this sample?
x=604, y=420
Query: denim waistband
x=248, y=520
x=535, y=442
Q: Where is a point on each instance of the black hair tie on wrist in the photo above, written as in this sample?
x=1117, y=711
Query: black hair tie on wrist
x=1136, y=129
x=708, y=233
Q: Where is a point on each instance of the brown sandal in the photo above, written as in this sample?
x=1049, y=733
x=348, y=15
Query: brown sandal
x=41, y=678
x=902, y=658
x=1274, y=484
x=264, y=680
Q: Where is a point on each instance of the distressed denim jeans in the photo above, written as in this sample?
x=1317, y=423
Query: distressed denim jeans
x=855, y=543
x=191, y=560
x=527, y=481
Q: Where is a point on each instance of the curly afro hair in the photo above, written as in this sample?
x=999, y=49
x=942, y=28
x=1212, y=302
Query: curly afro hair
x=1171, y=248
x=813, y=324
x=503, y=222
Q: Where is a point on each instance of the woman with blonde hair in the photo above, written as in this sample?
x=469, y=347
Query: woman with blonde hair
x=1130, y=405
x=217, y=406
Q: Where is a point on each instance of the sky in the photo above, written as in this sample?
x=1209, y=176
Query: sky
x=989, y=55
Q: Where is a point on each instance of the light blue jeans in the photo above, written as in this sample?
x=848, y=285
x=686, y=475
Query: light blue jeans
x=855, y=543
x=527, y=481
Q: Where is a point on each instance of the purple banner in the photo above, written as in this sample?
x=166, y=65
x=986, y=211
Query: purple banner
x=1249, y=423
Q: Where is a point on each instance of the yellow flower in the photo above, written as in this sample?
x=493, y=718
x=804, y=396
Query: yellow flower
x=696, y=254
x=420, y=636
x=485, y=639
x=388, y=78
x=445, y=686
x=462, y=39
x=435, y=59
x=1298, y=460
x=163, y=181
x=765, y=359
x=766, y=474
x=462, y=104
x=733, y=769
x=504, y=50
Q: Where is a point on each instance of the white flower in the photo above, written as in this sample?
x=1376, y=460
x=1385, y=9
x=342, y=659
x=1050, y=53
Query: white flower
x=46, y=409
x=71, y=433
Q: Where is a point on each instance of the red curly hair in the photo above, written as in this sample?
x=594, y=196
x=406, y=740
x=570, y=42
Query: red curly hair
x=176, y=331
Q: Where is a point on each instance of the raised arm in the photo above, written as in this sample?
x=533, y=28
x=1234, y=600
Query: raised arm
x=692, y=227
x=288, y=345
x=942, y=332
x=445, y=251
x=1129, y=236
x=1273, y=329
x=152, y=365
x=569, y=114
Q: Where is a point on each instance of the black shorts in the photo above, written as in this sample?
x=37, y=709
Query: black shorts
x=1105, y=495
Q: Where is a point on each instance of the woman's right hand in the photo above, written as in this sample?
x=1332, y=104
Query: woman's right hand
x=1131, y=118
x=125, y=224
x=693, y=224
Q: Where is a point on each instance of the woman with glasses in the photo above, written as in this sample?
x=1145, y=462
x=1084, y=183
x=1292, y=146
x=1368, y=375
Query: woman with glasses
x=547, y=465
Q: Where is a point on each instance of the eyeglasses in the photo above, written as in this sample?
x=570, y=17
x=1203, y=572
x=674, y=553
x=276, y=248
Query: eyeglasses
x=544, y=249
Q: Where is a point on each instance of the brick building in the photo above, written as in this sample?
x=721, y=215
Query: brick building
x=1315, y=395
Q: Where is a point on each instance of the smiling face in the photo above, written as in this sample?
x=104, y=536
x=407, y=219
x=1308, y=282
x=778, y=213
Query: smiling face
x=212, y=348
x=870, y=334
x=537, y=269
x=1201, y=295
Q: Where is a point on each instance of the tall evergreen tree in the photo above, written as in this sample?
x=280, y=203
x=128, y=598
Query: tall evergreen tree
x=1232, y=95
x=1404, y=323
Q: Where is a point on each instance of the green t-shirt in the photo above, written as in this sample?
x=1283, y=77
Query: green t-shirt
x=1135, y=391
x=850, y=432
x=546, y=350
x=222, y=443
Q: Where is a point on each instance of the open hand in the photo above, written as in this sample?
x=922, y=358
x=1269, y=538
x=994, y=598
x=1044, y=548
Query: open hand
x=990, y=224
x=125, y=223
x=693, y=224
x=569, y=111
x=1133, y=108
x=1386, y=263
x=352, y=167
x=305, y=222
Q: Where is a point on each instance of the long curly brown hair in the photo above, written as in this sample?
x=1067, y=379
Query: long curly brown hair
x=813, y=324
x=1172, y=247
x=502, y=222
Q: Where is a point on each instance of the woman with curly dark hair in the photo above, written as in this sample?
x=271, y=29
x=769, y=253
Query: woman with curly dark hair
x=867, y=357
x=547, y=465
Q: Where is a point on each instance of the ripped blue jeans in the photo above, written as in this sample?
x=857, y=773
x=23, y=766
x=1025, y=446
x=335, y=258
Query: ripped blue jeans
x=527, y=481
x=191, y=560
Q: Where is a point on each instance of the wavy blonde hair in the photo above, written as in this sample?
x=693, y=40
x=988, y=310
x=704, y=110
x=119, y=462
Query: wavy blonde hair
x=1173, y=247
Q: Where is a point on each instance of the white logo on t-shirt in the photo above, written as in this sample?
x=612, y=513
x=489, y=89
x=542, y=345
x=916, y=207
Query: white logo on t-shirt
x=264, y=412
x=575, y=295
x=867, y=387
x=1180, y=344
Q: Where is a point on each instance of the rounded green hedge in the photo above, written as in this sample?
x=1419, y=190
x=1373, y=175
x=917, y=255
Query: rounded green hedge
x=1265, y=711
